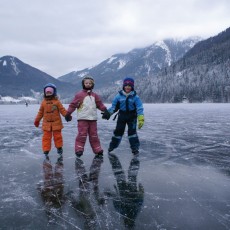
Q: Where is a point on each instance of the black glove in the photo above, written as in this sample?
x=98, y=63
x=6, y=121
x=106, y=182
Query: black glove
x=68, y=117
x=105, y=115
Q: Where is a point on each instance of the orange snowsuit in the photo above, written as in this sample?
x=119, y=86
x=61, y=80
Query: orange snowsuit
x=50, y=111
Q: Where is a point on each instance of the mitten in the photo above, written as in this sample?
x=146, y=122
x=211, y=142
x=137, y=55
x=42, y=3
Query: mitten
x=105, y=114
x=141, y=121
x=36, y=123
x=68, y=117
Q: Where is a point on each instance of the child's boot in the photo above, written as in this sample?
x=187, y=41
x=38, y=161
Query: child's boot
x=135, y=151
x=60, y=151
x=46, y=154
x=100, y=153
x=79, y=153
x=110, y=149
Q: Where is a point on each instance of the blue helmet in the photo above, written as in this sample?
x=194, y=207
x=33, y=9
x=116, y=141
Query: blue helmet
x=52, y=86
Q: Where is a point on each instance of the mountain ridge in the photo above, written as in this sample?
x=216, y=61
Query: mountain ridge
x=163, y=72
x=138, y=63
x=18, y=78
x=201, y=75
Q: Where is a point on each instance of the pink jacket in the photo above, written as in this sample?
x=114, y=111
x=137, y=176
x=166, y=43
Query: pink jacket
x=86, y=102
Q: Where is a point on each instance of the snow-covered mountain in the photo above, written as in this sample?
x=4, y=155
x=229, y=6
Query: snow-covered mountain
x=202, y=75
x=20, y=79
x=138, y=63
x=166, y=71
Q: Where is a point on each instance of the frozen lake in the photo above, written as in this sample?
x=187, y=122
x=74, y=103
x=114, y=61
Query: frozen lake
x=180, y=180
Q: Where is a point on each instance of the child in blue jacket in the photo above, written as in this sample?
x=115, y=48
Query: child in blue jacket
x=130, y=110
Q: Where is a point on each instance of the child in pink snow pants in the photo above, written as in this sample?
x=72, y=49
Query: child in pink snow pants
x=86, y=102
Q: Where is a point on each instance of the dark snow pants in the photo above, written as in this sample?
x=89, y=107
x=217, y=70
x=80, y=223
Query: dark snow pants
x=130, y=119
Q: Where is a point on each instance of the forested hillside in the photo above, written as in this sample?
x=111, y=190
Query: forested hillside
x=202, y=75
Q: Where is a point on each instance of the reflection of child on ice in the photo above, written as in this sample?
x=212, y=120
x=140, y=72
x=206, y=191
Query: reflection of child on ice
x=130, y=110
x=86, y=102
x=50, y=111
x=128, y=197
x=88, y=200
x=52, y=191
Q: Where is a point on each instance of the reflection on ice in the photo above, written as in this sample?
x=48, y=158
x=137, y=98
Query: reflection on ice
x=128, y=196
x=180, y=180
x=52, y=190
x=86, y=199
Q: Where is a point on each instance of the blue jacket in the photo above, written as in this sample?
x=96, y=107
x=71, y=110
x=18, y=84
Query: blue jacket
x=127, y=103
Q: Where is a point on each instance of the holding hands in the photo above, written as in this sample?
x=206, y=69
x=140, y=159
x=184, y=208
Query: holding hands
x=68, y=117
x=105, y=114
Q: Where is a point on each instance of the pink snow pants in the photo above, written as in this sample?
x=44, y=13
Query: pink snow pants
x=86, y=127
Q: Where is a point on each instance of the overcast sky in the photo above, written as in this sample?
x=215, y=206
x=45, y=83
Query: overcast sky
x=60, y=36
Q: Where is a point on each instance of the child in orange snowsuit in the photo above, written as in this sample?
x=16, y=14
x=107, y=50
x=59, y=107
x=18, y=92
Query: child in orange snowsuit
x=50, y=111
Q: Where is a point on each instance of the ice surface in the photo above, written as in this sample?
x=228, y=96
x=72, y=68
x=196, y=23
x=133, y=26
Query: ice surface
x=180, y=180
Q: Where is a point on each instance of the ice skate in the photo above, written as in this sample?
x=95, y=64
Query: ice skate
x=79, y=153
x=60, y=151
x=135, y=151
